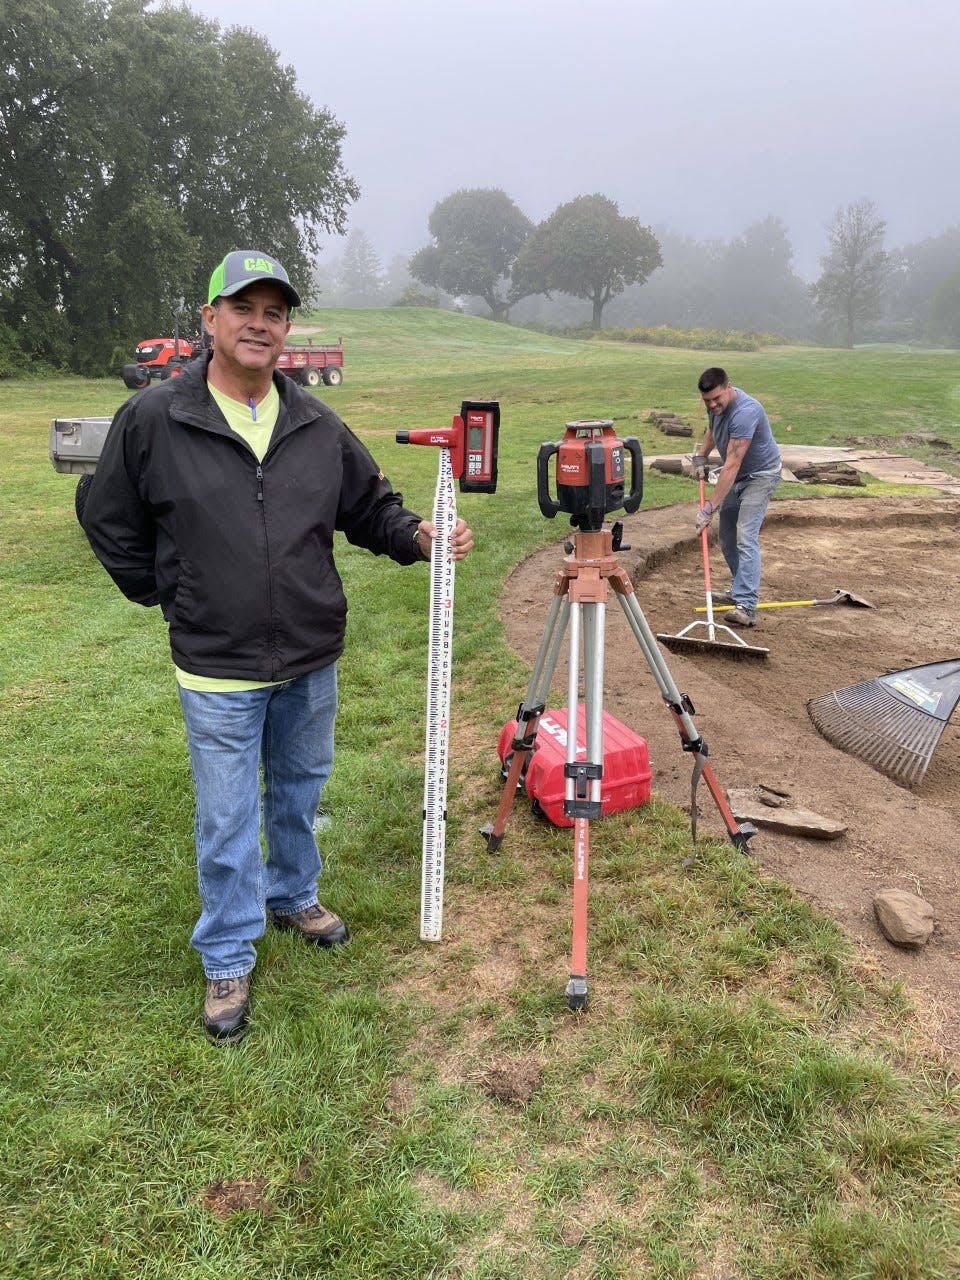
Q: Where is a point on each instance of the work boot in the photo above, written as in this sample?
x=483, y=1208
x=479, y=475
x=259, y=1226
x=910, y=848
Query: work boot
x=315, y=924
x=721, y=598
x=226, y=1008
x=741, y=616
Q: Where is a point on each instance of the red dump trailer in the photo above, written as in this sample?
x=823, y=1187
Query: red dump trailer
x=310, y=365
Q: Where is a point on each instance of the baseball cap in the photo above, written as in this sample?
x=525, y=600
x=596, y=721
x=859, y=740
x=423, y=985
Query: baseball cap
x=243, y=267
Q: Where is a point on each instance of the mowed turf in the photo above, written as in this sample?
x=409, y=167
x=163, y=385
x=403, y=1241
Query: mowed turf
x=744, y=1097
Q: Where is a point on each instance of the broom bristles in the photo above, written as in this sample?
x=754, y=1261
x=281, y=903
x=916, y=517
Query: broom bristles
x=714, y=639
x=692, y=644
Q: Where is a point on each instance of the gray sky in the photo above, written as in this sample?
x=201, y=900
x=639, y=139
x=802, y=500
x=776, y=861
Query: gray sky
x=699, y=115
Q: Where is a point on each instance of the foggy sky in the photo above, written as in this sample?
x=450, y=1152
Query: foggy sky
x=700, y=116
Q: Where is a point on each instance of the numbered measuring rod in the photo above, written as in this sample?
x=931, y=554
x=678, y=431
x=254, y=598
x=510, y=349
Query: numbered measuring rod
x=468, y=453
x=439, y=675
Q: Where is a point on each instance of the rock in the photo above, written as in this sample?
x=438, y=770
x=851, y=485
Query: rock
x=904, y=918
x=773, y=791
x=752, y=806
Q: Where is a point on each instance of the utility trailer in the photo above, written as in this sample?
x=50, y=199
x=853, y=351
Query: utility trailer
x=310, y=365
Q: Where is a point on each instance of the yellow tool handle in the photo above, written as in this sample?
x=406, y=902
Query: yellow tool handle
x=774, y=604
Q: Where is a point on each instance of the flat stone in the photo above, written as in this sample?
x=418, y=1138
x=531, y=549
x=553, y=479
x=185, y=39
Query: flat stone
x=748, y=806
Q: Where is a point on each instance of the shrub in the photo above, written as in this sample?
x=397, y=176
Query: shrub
x=664, y=335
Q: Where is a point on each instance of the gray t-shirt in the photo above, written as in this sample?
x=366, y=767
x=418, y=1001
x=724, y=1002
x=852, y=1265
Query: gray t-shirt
x=746, y=419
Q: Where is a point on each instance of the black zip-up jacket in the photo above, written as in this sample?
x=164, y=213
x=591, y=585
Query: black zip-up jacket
x=239, y=554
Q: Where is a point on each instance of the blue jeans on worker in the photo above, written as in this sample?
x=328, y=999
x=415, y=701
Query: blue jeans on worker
x=741, y=515
x=283, y=732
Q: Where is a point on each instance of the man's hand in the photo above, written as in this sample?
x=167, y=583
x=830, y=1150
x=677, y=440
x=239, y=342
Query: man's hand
x=461, y=540
x=699, y=463
x=704, y=516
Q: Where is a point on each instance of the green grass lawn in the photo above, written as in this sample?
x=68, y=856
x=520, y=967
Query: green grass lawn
x=744, y=1097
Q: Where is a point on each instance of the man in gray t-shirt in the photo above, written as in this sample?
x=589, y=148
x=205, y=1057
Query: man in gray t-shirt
x=737, y=425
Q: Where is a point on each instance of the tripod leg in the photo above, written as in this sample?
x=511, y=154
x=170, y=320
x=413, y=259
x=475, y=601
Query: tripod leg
x=528, y=716
x=681, y=709
x=577, y=986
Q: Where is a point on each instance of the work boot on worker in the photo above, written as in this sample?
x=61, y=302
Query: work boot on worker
x=315, y=924
x=741, y=616
x=226, y=1008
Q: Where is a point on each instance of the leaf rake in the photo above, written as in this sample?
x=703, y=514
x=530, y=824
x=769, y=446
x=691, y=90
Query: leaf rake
x=894, y=721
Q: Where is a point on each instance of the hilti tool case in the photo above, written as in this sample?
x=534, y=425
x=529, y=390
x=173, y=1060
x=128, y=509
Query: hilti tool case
x=626, y=765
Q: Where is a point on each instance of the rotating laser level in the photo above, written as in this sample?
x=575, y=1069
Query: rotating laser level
x=591, y=474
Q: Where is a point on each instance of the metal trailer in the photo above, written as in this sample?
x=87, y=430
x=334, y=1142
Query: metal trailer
x=310, y=365
x=75, y=445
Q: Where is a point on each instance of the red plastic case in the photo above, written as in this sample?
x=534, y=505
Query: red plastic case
x=626, y=764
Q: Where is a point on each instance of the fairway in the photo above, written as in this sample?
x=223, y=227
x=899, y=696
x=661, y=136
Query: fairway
x=747, y=1094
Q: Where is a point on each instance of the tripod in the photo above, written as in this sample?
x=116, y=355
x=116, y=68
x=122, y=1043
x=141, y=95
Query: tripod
x=579, y=601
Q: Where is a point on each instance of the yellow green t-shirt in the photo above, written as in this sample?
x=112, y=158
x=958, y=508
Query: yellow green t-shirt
x=255, y=424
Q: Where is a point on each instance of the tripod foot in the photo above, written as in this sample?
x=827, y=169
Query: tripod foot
x=493, y=842
x=738, y=838
x=577, y=993
x=742, y=835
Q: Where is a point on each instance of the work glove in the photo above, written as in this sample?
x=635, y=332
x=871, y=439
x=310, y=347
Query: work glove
x=699, y=462
x=704, y=516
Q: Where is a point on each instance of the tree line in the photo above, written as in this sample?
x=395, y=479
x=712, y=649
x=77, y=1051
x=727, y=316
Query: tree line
x=133, y=154
x=487, y=257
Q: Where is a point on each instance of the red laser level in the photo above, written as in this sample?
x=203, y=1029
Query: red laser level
x=591, y=474
x=472, y=439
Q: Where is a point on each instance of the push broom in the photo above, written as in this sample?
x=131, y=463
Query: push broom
x=717, y=638
x=893, y=722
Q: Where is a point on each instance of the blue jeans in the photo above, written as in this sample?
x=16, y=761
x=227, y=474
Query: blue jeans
x=741, y=515
x=288, y=730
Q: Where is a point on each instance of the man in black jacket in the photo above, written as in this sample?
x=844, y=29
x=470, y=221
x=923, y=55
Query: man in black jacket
x=216, y=496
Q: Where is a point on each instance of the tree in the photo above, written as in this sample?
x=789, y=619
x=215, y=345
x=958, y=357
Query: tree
x=756, y=287
x=944, y=322
x=477, y=234
x=854, y=270
x=361, y=275
x=588, y=249
x=918, y=272
x=132, y=156
x=683, y=292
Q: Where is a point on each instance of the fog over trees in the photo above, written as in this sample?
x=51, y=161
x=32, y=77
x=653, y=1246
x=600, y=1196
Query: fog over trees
x=133, y=154
x=865, y=292
x=849, y=290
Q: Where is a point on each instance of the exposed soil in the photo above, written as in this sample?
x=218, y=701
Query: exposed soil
x=901, y=555
x=306, y=330
x=226, y=1197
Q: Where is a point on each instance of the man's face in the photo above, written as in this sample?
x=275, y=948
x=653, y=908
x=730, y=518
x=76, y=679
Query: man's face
x=719, y=399
x=249, y=328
